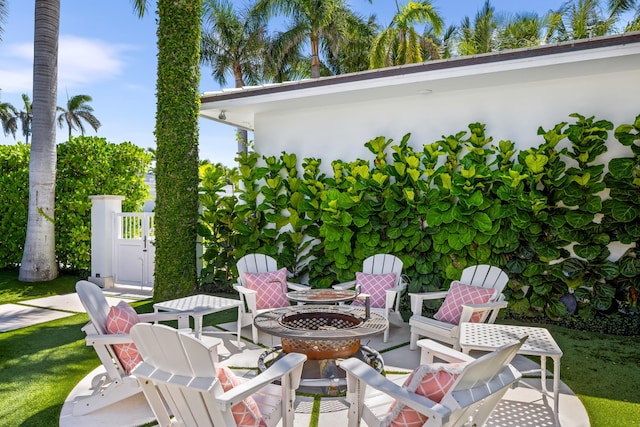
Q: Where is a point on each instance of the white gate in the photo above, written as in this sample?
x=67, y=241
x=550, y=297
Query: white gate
x=134, y=256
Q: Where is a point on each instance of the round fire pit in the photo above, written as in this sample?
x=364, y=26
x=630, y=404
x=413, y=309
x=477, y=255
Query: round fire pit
x=326, y=334
x=319, y=349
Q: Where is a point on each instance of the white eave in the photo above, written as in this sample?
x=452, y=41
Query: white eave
x=609, y=54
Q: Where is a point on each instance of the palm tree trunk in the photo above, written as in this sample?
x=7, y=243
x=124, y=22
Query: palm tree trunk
x=315, y=57
x=39, y=257
x=241, y=134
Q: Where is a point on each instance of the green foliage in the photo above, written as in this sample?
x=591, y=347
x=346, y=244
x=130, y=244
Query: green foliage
x=463, y=200
x=14, y=187
x=86, y=166
x=178, y=105
x=89, y=166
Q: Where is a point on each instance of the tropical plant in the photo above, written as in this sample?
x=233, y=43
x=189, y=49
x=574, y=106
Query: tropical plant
x=233, y=42
x=583, y=19
x=400, y=43
x=178, y=104
x=39, y=256
x=324, y=22
x=481, y=36
x=525, y=30
x=77, y=111
x=7, y=114
x=353, y=55
x=25, y=117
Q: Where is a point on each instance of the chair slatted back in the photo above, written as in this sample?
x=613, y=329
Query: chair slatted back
x=94, y=303
x=382, y=264
x=255, y=263
x=183, y=371
x=482, y=384
x=486, y=276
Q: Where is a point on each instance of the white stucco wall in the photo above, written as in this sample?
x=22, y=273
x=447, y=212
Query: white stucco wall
x=513, y=111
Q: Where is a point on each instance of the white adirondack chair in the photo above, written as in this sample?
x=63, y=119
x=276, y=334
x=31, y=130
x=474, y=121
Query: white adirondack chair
x=381, y=264
x=468, y=402
x=484, y=276
x=255, y=263
x=178, y=376
x=115, y=384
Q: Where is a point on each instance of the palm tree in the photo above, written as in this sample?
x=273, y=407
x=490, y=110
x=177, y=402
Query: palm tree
x=176, y=131
x=481, y=37
x=353, y=55
x=320, y=22
x=233, y=42
x=7, y=116
x=78, y=110
x=525, y=30
x=3, y=15
x=25, y=118
x=400, y=43
x=583, y=19
x=39, y=255
x=617, y=7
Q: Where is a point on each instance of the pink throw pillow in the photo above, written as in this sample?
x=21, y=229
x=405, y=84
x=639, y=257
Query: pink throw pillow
x=432, y=381
x=375, y=285
x=451, y=309
x=119, y=321
x=245, y=413
x=271, y=288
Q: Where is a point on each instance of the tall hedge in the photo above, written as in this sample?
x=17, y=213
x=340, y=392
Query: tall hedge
x=86, y=166
x=178, y=105
x=548, y=215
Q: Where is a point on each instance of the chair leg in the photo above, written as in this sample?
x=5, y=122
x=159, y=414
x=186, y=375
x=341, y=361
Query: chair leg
x=413, y=342
x=254, y=334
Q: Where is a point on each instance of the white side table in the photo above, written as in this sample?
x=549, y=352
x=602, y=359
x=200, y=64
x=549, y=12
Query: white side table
x=198, y=306
x=488, y=337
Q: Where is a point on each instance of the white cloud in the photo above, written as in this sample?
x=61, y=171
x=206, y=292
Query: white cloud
x=81, y=62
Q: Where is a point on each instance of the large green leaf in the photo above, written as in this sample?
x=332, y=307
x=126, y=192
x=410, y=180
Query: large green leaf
x=578, y=219
x=622, y=168
x=482, y=222
x=624, y=212
x=588, y=252
x=572, y=267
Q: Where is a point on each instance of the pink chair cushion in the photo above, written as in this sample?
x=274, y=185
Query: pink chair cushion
x=432, y=381
x=271, y=288
x=451, y=309
x=119, y=321
x=245, y=413
x=375, y=285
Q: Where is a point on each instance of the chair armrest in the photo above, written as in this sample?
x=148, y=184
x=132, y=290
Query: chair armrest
x=430, y=349
x=469, y=309
x=344, y=286
x=358, y=371
x=418, y=299
x=282, y=367
x=297, y=286
x=163, y=316
x=108, y=339
x=244, y=290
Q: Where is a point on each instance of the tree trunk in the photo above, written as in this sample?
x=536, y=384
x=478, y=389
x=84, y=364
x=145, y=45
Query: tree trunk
x=178, y=106
x=39, y=256
x=315, y=56
x=241, y=134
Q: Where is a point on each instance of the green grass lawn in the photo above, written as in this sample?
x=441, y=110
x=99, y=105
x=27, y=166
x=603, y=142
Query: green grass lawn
x=40, y=365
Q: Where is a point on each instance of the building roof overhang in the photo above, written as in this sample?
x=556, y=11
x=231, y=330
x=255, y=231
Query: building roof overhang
x=238, y=107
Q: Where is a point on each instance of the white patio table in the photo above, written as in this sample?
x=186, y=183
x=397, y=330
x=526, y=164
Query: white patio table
x=489, y=336
x=198, y=306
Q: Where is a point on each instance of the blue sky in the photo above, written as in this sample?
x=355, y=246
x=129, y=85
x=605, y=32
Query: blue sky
x=108, y=53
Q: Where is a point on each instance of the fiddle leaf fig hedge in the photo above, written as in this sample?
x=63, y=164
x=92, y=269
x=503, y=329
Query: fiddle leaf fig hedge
x=548, y=215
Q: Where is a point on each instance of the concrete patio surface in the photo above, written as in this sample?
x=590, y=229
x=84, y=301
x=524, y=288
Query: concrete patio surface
x=525, y=405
